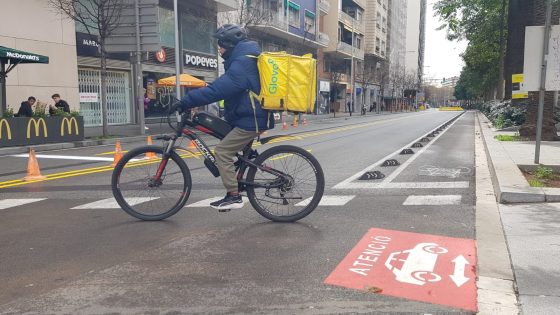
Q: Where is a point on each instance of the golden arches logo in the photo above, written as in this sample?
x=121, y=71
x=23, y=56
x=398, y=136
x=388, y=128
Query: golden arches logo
x=37, y=124
x=68, y=123
x=4, y=123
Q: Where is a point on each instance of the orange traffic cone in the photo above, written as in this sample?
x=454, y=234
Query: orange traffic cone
x=118, y=154
x=150, y=155
x=305, y=121
x=33, y=171
x=295, y=122
x=284, y=126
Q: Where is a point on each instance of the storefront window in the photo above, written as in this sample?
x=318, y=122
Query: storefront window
x=167, y=27
x=118, y=97
x=197, y=34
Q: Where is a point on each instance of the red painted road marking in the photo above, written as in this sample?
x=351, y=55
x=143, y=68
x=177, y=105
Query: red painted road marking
x=421, y=267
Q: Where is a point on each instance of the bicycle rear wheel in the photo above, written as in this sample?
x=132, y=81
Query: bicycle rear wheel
x=140, y=195
x=294, y=198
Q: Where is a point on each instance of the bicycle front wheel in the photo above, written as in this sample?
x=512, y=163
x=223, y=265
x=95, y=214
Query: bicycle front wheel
x=140, y=194
x=289, y=197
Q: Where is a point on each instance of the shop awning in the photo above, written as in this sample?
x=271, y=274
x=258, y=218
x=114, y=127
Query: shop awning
x=11, y=58
x=187, y=80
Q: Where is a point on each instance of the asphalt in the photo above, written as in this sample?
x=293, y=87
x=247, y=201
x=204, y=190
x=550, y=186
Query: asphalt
x=90, y=261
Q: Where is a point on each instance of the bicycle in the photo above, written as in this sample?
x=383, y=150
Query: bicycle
x=152, y=182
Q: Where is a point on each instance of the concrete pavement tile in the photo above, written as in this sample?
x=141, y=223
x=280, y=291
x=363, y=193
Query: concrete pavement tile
x=496, y=296
x=533, y=239
x=539, y=304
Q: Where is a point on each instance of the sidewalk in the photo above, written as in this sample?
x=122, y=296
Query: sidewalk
x=505, y=157
x=531, y=226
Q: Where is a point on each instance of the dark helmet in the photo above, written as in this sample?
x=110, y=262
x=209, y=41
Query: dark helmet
x=229, y=35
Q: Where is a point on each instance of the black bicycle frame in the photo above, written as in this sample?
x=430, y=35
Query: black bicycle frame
x=244, y=160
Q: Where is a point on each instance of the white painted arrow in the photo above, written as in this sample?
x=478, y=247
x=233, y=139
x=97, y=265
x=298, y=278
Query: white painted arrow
x=458, y=275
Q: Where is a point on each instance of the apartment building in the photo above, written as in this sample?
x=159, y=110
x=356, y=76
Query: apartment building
x=415, y=39
x=396, y=41
x=345, y=26
x=377, y=28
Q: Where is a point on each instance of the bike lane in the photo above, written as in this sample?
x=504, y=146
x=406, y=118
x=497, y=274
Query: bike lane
x=430, y=253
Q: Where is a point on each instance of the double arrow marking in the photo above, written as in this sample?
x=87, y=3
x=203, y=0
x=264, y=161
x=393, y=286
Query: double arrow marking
x=458, y=276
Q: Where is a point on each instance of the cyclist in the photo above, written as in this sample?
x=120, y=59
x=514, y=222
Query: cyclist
x=241, y=76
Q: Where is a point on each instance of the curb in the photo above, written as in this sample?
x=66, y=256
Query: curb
x=496, y=292
x=509, y=183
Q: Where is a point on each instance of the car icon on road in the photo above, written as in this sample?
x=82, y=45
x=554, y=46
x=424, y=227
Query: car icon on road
x=417, y=264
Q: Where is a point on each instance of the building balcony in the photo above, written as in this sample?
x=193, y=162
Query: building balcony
x=324, y=6
x=278, y=26
x=349, y=50
x=361, y=3
x=323, y=39
x=351, y=22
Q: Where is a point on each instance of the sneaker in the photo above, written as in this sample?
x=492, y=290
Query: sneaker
x=229, y=202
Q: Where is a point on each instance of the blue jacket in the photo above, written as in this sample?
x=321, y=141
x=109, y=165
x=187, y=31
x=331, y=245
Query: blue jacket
x=241, y=75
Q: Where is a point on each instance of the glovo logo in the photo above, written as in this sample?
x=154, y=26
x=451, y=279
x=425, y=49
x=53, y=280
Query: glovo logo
x=37, y=124
x=273, y=86
x=68, y=123
x=4, y=123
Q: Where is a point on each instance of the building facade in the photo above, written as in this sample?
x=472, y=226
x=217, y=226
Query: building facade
x=415, y=39
x=396, y=40
x=345, y=26
x=46, y=33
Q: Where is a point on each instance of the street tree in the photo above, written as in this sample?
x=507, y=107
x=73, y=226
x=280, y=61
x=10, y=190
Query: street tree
x=481, y=23
x=249, y=13
x=100, y=18
x=366, y=76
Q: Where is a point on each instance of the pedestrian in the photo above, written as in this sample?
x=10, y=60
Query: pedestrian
x=26, y=109
x=59, y=104
x=348, y=106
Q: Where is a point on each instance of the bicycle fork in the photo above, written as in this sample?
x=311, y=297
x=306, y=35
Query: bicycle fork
x=156, y=180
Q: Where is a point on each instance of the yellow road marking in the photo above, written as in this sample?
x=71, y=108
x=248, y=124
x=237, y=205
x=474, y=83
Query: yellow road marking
x=93, y=170
x=111, y=152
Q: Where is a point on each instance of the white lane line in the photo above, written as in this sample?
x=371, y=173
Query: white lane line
x=203, y=203
x=432, y=200
x=328, y=201
x=111, y=203
x=408, y=185
x=347, y=183
x=70, y=157
x=10, y=203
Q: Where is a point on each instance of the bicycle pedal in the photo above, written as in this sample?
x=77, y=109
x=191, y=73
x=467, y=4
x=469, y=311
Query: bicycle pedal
x=224, y=210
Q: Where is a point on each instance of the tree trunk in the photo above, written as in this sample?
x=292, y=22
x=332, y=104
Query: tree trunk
x=500, y=91
x=104, y=87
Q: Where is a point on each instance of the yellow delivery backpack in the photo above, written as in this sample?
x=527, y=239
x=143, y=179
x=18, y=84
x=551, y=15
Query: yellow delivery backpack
x=288, y=82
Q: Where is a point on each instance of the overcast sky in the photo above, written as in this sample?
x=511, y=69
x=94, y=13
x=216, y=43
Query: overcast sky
x=441, y=58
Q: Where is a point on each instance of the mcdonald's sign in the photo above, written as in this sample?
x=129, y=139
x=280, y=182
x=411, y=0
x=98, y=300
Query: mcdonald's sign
x=37, y=123
x=6, y=124
x=17, y=131
x=68, y=123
